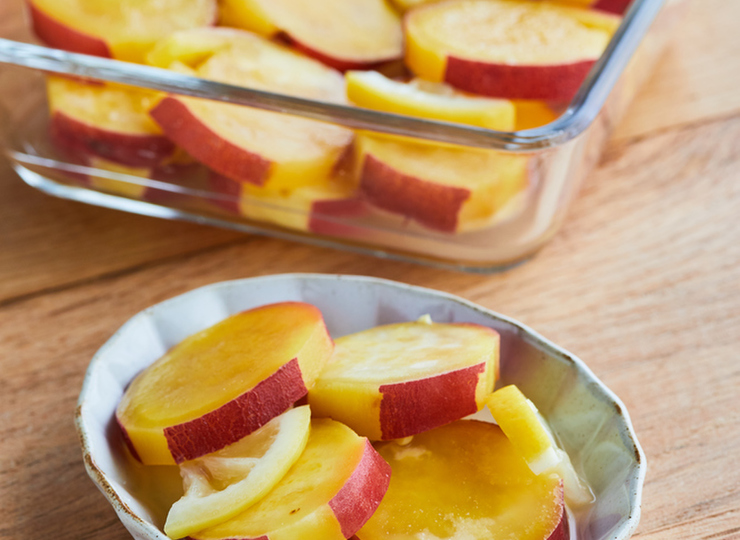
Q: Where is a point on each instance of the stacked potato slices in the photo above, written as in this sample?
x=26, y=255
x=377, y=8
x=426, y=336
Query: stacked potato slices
x=381, y=450
x=492, y=64
x=108, y=121
x=107, y=128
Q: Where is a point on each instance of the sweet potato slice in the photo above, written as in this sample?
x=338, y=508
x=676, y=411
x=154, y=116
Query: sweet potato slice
x=108, y=121
x=512, y=49
x=323, y=209
x=465, y=480
x=448, y=189
x=268, y=149
x=612, y=6
x=397, y=380
x=124, y=30
x=223, y=383
x=344, y=34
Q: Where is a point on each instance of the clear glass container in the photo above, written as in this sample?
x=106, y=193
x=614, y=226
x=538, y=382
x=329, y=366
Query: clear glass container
x=512, y=219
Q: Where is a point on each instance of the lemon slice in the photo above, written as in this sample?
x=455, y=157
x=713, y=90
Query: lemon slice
x=220, y=485
x=328, y=494
x=436, y=101
x=528, y=432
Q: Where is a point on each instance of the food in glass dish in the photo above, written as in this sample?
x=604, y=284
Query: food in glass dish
x=445, y=188
x=420, y=59
x=435, y=101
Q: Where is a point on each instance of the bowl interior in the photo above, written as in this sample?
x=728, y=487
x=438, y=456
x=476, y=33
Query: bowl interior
x=589, y=421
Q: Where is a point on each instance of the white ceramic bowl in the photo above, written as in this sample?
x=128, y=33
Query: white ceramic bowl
x=590, y=422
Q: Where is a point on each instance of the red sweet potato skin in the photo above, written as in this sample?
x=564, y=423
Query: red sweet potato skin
x=224, y=157
x=239, y=417
x=436, y=401
x=433, y=205
x=60, y=36
x=549, y=83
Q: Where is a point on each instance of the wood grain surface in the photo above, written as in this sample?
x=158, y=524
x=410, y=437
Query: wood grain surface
x=643, y=283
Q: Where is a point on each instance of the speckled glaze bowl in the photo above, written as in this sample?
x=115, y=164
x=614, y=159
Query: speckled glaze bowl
x=589, y=421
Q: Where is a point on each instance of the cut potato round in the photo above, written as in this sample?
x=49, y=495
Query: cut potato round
x=324, y=209
x=219, y=486
x=224, y=382
x=344, y=34
x=512, y=49
x=273, y=150
x=108, y=121
x=304, y=209
x=328, y=494
x=121, y=29
x=398, y=380
x=529, y=434
x=448, y=189
x=435, y=101
x=465, y=481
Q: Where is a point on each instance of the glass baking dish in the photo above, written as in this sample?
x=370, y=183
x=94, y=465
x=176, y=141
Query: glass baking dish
x=552, y=160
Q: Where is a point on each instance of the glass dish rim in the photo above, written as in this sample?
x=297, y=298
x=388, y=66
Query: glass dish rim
x=579, y=115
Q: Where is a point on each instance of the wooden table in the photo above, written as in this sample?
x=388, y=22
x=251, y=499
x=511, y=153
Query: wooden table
x=643, y=283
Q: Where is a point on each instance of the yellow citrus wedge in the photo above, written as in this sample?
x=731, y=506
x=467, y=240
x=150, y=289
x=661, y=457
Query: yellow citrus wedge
x=435, y=101
x=529, y=434
x=220, y=485
x=328, y=494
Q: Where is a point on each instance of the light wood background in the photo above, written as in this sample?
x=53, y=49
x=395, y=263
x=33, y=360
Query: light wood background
x=643, y=283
